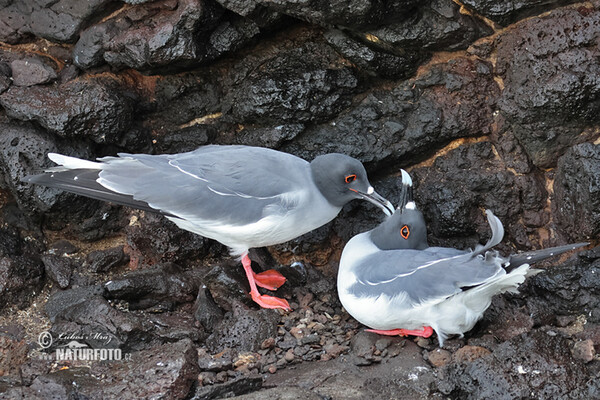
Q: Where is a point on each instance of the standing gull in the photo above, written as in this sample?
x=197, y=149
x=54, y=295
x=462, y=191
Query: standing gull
x=389, y=278
x=242, y=196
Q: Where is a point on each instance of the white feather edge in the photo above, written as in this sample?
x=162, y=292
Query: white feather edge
x=73, y=162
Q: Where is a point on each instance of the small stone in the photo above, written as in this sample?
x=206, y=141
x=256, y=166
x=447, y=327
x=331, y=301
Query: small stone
x=439, y=357
x=383, y=343
x=584, y=350
x=470, y=353
x=334, y=350
x=268, y=343
x=297, y=332
x=272, y=369
x=423, y=342
x=289, y=355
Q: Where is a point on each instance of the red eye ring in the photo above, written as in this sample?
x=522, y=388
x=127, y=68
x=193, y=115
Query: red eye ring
x=405, y=232
x=350, y=178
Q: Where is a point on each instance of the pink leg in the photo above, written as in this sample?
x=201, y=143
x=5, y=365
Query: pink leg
x=426, y=332
x=261, y=299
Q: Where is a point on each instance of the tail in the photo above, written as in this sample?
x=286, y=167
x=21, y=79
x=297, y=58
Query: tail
x=497, y=234
x=516, y=260
x=80, y=177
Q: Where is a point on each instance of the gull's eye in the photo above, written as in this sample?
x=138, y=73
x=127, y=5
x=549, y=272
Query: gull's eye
x=405, y=232
x=350, y=178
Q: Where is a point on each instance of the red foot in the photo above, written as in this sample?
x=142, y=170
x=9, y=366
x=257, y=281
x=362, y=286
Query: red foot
x=270, y=279
x=266, y=301
x=426, y=332
x=263, y=300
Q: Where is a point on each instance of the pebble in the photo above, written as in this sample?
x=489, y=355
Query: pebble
x=584, y=350
x=289, y=355
x=439, y=357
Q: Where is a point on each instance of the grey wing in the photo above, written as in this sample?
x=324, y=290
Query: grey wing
x=422, y=275
x=232, y=184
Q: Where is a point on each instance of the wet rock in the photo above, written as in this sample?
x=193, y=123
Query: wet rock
x=206, y=310
x=31, y=72
x=507, y=12
x=170, y=28
x=229, y=389
x=548, y=66
x=163, y=284
x=89, y=108
x=584, y=350
x=346, y=13
x=298, y=85
x=243, y=329
x=58, y=269
x=58, y=21
x=439, y=25
x=577, y=192
x=515, y=367
x=374, y=60
x=104, y=260
x=407, y=122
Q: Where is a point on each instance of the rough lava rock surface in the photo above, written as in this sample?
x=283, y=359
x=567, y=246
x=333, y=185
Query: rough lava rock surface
x=488, y=104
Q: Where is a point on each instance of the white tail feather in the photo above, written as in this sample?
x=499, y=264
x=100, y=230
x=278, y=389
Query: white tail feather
x=73, y=162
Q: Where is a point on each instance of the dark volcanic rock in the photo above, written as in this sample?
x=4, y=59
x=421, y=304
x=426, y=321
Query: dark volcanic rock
x=534, y=362
x=170, y=30
x=99, y=325
x=509, y=11
x=373, y=59
x=407, y=122
x=206, y=310
x=31, y=72
x=550, y=70
x=567, y=289
x=437, y=26
x=154, y=239
x=243, y=329
x=58, y=21
x=307, y=83
x=90, y=108
x=65, y=299
x=229, y=389
x=163, y=284
x=169, y=369
x=577, y=192
x=104, y=260
x=345, y=12
x=470, y=177
x=21, y=270
x=58, y=269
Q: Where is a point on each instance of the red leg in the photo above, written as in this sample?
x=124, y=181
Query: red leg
x=270, y=279
x=262, y=299
x=426, y=332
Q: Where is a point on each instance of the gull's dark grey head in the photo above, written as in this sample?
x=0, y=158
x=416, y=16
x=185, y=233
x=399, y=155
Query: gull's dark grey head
x=341, y=178
x=406, y=229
